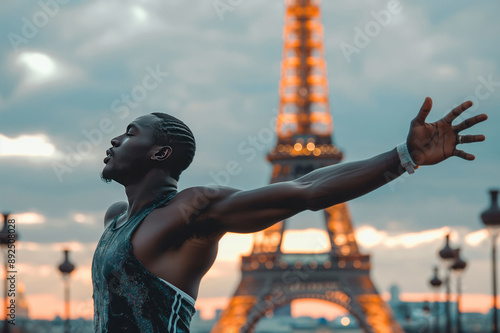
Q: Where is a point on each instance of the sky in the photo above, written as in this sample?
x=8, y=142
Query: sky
x=75, y=73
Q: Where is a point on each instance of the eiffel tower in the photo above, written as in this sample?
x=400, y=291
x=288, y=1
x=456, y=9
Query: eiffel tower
x=271, y=278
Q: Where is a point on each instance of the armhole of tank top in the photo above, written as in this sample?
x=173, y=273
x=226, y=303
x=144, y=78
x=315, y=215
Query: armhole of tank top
x=179, y=291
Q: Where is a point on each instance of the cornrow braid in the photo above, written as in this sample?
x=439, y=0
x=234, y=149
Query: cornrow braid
x=173, y=132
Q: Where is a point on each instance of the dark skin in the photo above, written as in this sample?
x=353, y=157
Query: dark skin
x=179, y=242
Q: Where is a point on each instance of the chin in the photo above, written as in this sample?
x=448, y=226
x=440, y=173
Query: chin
x=105, y=179
x=106, y=175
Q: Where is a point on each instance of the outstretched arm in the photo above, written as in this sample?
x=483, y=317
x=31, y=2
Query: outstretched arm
x=250, y=211
x=254, y=210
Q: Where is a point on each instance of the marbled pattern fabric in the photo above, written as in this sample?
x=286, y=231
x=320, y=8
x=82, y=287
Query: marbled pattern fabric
x=128, y=297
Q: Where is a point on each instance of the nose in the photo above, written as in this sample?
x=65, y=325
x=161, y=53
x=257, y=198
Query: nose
x=114, y=142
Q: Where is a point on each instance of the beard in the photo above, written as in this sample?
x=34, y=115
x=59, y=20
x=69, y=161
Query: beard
x=106, y=180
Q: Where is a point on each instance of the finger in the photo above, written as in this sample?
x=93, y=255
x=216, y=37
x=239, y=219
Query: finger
x=464, y=155
x=472, y=138
x=457, y=111
x=470, y=122
x=424, y=111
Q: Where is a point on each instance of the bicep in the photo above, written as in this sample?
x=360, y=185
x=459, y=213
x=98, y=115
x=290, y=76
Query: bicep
x=255, y=210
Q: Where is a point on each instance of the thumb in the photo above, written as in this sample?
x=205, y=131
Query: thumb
x=424, y=111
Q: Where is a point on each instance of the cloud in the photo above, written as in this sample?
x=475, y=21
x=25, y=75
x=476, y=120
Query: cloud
x=29, y=218
x=39, y=69
x=414, y=52
x=233, y=245
x=74, y=246
x=29, y=246
x=368, y=237
x=111, y=32
x=57, y=247
x=477, y=237
x=225, y=81
x=84, y=218
x=139, y=13
x=36, y=145
x=414, y=239
x=305, y=241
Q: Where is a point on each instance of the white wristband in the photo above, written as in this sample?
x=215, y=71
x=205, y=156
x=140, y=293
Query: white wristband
x=405, y=157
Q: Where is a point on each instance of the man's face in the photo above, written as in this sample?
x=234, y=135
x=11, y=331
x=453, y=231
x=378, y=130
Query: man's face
x=129, y=158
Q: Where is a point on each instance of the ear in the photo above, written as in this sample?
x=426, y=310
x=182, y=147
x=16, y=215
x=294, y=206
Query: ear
x=162, y=154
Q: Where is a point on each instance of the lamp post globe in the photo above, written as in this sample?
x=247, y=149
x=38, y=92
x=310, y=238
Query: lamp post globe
x=447, y=254
x=66, y=268
x=491, y=216
x=459, y=264
x=436, y=283
x=491, y=219
x=458, y=267
x=8, y=235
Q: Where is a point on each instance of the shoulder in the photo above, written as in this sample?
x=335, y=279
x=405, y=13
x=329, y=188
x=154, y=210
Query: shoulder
x=202, y=197
x=208, y=193
x=194, y=203
x=113, y=211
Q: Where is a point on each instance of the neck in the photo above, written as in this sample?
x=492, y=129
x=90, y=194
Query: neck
x=144, y=192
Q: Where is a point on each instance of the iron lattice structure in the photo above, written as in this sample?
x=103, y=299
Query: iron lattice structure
x=271, y=278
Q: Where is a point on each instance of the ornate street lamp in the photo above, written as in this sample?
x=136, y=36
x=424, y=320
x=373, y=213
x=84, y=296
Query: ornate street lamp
x=491, y=219
x=447, y=254
x=436, y=283
x=458, y=267
x=66, y=268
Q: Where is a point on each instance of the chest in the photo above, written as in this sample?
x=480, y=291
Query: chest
x=152, y=237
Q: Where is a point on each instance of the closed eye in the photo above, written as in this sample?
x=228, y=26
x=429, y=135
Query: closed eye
x=129, y=130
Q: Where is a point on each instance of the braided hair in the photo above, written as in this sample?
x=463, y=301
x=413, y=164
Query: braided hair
x=173, y=132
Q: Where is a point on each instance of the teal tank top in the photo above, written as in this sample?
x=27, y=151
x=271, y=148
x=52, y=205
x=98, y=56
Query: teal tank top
x=128, y=297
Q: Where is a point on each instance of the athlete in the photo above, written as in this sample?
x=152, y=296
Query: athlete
x=156, y=247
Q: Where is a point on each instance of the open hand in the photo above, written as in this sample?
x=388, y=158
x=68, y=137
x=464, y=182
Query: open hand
x=432, y=143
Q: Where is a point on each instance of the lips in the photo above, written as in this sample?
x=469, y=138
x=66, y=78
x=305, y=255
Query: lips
x=109, y=154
